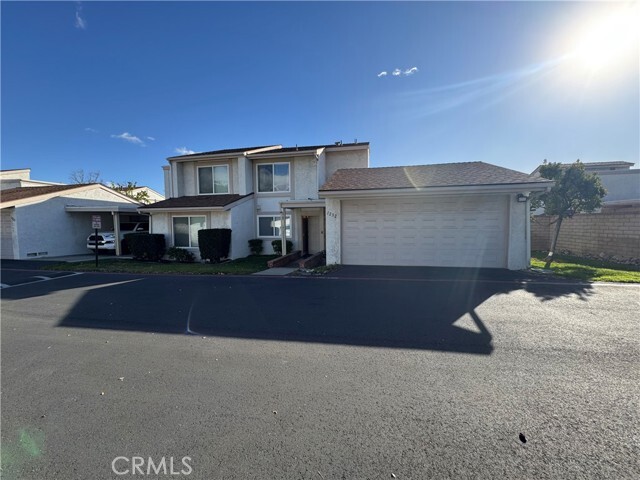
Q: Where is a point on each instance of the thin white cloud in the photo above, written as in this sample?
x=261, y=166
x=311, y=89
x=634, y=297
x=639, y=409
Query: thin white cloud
x=184, y=151
x=81, y=23
x=410, y=71
x=396, y=72
x=127, y=137
x=150, y=138
x=382, y=74
x=92, y=130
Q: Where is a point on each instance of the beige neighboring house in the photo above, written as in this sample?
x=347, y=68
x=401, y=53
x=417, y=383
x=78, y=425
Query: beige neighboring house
x=328, y=199
x=152, y=195
x=45, y=219
x=621, y=181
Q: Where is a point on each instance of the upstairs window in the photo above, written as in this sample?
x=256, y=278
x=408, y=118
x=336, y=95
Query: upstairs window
x=273, y=177
x=214, y=179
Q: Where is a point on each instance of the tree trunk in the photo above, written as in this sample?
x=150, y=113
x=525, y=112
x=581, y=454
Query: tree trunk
x=549, y=258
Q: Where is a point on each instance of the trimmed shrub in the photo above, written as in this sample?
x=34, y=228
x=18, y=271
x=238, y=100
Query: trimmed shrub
x=256, y=246
x=214, y=243
x=277, y=246
x=181, y=255
x=146, y=246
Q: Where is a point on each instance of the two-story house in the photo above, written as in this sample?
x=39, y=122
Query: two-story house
x=250, y=190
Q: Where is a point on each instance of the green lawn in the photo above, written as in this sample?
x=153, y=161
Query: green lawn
x=588, y=270
x=240, y=266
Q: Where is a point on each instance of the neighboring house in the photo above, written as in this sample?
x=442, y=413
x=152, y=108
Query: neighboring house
x=152, y=195
x=618, y=178
x=55, y=220
x=460, y=215
x=20, y=178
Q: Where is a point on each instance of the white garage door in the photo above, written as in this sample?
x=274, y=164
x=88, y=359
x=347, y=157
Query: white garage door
x=6, y=230
x=463, y=231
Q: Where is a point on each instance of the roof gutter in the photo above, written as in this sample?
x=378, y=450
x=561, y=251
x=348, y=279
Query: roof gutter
x=445, y=190
x=202, y=156
x=276, y=154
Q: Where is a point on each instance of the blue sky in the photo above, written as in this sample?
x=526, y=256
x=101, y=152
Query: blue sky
x=118, y=87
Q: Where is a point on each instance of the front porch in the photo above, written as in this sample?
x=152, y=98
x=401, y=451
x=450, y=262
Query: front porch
x=308, y=219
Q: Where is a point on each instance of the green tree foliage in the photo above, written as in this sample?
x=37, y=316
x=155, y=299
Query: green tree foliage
x=129, y=189
x=575, y=191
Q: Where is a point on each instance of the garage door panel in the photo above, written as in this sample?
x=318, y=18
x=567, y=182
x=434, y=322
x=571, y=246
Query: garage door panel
x=450, y=231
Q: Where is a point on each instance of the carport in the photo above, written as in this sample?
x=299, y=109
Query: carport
x=115, y=211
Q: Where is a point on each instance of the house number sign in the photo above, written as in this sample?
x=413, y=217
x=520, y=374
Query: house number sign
x=332, y=214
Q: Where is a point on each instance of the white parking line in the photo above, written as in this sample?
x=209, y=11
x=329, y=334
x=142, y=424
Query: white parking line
x=42, y=279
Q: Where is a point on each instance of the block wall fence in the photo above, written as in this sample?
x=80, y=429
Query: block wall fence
x=612, y=233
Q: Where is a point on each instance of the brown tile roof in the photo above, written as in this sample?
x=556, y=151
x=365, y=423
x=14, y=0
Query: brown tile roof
x=20, y=193
x=421, y=176
x=196, y=201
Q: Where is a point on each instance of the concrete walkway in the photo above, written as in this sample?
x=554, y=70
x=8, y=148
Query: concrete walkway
x=276, y=271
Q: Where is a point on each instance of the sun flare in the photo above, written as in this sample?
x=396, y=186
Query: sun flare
x=608, y=40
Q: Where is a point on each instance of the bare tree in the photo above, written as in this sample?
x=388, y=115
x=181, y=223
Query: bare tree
x=82, y=177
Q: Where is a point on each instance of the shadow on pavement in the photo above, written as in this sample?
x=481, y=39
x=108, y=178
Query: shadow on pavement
x=434, y=315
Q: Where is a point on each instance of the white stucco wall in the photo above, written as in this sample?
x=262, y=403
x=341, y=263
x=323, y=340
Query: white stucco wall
x=621, y=185
x=47, y=227
x=346, y=159
x=518, y=253
x=305, y=178
x=245, y=176
x=332, y=230
x=24, y=174
x=243, y=228
x=166, y=171
x=8, y=240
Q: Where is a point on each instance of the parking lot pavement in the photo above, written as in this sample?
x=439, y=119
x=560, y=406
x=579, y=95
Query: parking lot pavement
x=12, y=277
x=319, y=378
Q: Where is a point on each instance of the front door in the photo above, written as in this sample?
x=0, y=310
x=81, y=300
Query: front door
x=315, y=234
x=305, y=235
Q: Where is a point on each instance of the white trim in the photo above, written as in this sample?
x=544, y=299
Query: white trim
x=273, y=164
x=274, y=217
x=279, y=154
x=202, y=156
x=461, y=189
x=102, y=208
x=213, y=180
x=173, y=236
x=303, y=203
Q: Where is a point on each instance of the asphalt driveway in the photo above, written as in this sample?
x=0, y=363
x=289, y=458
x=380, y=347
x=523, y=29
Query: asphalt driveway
x=319, y=378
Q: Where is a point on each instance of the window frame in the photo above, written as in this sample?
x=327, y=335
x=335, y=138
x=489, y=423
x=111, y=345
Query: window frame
x=213, y=179
x=273, y=164
x=289, y=217
x=189, y=217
